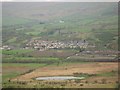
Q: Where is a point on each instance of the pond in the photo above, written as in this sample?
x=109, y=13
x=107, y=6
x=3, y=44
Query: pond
x=59, y=78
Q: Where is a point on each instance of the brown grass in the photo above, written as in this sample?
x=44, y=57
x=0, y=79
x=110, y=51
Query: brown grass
x=7, y=69
x=90, y=68
x=52, y=53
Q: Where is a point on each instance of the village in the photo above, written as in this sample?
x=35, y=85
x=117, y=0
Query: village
x=42, y=45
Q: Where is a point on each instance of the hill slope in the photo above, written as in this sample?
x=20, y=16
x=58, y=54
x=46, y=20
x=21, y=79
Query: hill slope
x=94, y=22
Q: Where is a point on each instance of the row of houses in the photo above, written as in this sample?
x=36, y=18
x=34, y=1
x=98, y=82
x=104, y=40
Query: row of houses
x=5, y=47
x=45, y=44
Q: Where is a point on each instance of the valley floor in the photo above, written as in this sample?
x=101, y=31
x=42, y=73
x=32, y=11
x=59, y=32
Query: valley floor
x=97, y=75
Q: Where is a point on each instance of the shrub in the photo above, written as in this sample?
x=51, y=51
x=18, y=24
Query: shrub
x=103, y=81
x=86, y=81
x=95, y=81
x=81, y=84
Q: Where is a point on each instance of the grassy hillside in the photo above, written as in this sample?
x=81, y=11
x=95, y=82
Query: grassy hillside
x=94, y=22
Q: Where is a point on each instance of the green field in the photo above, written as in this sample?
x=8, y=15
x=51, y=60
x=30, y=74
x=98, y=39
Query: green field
x=96, y=26
x=10, y=20
x=95, y=23
x=22, y=68
x=15, y=52
x=13, y=70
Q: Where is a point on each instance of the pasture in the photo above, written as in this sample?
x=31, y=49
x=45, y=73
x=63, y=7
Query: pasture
x=11, y=70
x=96, y=75
x=95, y=23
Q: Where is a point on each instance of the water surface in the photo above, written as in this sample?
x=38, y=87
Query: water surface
x=59, y=78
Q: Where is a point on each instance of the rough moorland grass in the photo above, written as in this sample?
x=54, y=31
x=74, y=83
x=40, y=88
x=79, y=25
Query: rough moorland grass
x=108, y=74
x=6, y=77
x=14, y=52
x=30, y=65
x=12, y=40
x=30, y=60
x=12, y=73
x=102, y=74
x=8, y=20
x=0, y=51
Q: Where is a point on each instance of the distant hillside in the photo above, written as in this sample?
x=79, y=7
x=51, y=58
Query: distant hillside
x=94, y=22
x=46, y=11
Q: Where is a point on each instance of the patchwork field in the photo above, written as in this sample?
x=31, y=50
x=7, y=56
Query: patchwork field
x=11, y=70
x=96, y=74
x=31, y=36
x=69, y=69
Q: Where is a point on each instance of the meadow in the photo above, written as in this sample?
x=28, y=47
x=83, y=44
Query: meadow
x=96, y=23
x=22, y=75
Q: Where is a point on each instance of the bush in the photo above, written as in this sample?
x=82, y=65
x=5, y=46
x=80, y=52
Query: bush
x=86, y=81
x=81, y=84
x=95, y=81
x=103, y=81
